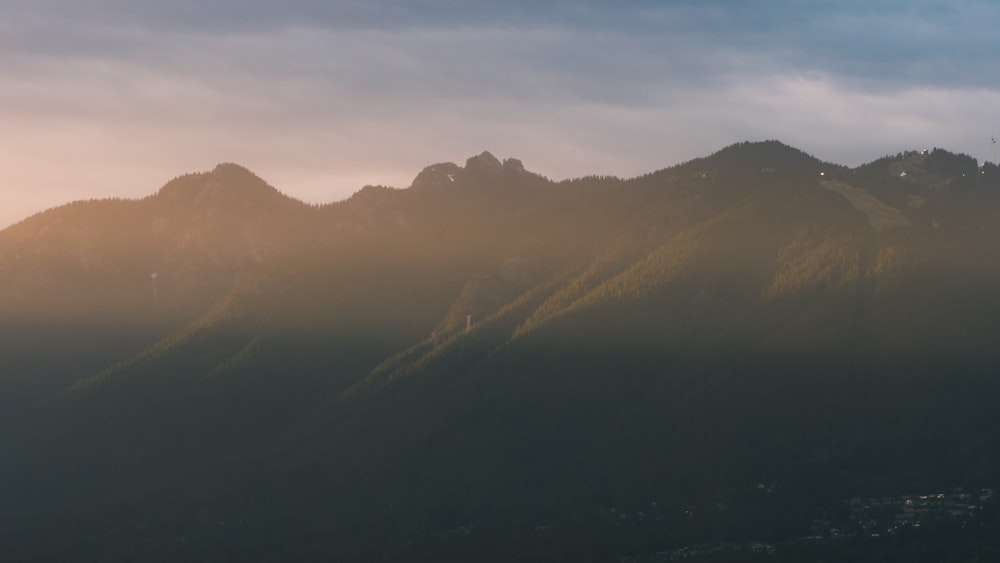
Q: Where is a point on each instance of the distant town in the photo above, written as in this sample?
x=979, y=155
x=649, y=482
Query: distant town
x=870, y=519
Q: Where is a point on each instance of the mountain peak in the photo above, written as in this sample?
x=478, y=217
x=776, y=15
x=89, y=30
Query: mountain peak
x=481, y=166
x=483, y=162
x=436, y=176
x=226, y=183
x=228, y=175
x=513, y=164
x=232, y=169
x=763, y=154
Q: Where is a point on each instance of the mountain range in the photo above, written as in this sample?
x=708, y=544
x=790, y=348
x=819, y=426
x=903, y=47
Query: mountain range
x=490, y=365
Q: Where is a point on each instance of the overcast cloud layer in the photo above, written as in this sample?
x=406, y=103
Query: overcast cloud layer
x=115, y=97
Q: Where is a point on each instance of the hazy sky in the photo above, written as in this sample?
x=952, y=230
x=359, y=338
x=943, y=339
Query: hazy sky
x=319, y=97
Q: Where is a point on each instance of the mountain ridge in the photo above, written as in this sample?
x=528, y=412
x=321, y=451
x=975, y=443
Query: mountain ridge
x=237, y=246
x=742, y=154
x=492, y=365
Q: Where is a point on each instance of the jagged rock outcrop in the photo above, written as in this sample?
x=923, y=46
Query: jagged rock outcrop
x=483, y=163
x=513, y=165
x=483, y=166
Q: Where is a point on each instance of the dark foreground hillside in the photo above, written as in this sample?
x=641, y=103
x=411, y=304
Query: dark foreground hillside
x=754, y=356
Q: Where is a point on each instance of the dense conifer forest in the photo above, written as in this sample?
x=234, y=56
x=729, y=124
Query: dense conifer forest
x=751, y=356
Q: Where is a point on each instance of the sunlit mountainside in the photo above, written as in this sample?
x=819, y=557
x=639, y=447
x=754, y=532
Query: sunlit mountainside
x=493, y=366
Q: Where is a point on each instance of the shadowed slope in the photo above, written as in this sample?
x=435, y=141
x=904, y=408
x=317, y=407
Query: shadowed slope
x=492, y=365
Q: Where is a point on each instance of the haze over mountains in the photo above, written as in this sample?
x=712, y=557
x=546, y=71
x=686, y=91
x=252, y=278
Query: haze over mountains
x=491, y=365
